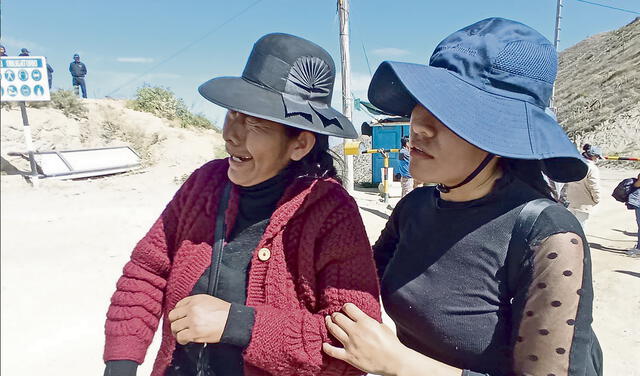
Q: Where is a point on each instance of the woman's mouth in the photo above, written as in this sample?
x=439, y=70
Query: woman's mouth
x=240, y=158
x=419, y=152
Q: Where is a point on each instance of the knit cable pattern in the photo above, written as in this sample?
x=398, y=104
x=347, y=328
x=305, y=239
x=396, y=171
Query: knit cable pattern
x=320, y=260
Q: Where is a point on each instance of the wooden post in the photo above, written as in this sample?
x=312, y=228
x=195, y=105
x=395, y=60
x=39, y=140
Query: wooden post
x=347, y=100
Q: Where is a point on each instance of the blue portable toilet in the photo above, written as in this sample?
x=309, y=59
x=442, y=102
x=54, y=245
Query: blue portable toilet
x=385, y=134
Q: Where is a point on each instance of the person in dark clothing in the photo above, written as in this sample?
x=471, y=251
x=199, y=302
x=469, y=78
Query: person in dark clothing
x=24, y=52
x=3, y=51
x=404, y=157
x=78, y=72
x=50, y=75
x=256, y=249
x=633, y=203
x=482, y=274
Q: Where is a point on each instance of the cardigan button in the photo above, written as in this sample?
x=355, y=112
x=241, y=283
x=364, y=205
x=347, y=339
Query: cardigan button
x=264, y=254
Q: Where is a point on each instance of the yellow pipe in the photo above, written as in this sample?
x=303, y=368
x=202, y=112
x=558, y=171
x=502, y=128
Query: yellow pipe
x=353, y=148
x=373, y=151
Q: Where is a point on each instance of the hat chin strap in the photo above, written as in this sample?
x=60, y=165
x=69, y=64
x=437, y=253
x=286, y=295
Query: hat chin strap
x=445, y=189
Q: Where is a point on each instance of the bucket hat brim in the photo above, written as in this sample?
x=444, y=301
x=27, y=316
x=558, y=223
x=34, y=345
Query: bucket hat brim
x=498, y=124
x=239, y=94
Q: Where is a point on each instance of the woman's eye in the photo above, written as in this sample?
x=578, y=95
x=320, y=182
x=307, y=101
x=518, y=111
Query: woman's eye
x=255, y=124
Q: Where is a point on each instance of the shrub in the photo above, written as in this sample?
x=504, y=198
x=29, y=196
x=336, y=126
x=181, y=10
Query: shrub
x=68, y=103
x=7, y=105
x=157, y=101
x=162, y=102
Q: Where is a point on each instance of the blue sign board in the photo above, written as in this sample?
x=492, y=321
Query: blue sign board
x=22, y=78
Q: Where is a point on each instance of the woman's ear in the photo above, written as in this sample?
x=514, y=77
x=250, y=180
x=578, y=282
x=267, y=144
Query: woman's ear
x=302, y=145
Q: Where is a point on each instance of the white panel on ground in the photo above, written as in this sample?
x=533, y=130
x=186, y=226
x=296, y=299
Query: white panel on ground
x=89, y=162
x=52, y=164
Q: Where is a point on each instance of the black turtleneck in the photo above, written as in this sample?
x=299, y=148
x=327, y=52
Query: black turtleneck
x=256, y=205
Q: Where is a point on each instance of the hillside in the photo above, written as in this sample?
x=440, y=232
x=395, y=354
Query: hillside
x=108, y=122
x=598, y=91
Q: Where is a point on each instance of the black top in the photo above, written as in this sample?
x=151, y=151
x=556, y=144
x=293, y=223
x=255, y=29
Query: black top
x=443, y=282
x=256, y=205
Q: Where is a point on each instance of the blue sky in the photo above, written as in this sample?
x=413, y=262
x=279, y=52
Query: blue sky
x=119, y=40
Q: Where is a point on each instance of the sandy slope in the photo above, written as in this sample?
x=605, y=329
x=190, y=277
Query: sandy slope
x=64, y=245
x=160, y=142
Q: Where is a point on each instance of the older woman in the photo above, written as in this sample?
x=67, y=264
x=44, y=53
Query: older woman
x=483, y=274
x=254, y=250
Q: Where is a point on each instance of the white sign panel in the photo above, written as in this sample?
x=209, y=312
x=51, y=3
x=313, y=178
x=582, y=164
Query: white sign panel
x=23, y=78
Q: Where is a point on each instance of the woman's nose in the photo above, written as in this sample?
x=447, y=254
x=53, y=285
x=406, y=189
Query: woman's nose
x=421, y=129
x=233, y=129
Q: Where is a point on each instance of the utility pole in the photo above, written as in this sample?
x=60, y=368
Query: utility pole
x=556, y=43
x=556, y=36
x=347, y=100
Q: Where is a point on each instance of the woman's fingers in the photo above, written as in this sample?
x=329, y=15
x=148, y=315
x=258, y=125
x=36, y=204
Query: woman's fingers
x=184, y=301
x=344, y=322
x=179, y=325
x=354, y=312
x=177, y=313
x=184, y=336
x=336, y=331
x=335, y=352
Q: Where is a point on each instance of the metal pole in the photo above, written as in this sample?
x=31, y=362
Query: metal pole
x=347, y=100
x=556, y=36
x=556, y=43
x=29, y=142
x=385, y=179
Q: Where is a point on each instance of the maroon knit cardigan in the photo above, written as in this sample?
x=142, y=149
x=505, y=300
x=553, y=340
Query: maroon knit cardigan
x=320, y=259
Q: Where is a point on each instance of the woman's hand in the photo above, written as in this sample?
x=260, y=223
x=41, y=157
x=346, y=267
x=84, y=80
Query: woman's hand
x=199, y=318
x=368, y=344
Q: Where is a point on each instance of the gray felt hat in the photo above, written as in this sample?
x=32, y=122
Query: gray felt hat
x=288, y=80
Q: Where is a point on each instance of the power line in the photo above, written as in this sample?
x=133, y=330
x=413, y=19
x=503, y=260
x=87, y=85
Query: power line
x=367, y=59
x=608, y=6
x=186, y=47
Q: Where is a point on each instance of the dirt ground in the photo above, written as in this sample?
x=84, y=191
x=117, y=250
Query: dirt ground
x=64, y=245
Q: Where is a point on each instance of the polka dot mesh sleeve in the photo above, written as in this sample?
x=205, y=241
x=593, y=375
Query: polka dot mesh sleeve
x=546, y=331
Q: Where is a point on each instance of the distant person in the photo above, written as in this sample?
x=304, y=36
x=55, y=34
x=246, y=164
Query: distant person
x=628, y=191
x=50, y=75
x=406, y=181
x=584, y=194
x=3, y=51
x=24, y=52
x=78, y=71
x=633, y=203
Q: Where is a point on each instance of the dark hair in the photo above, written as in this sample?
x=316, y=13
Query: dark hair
x=530, y=172
x=404, y=140
x=318, y=163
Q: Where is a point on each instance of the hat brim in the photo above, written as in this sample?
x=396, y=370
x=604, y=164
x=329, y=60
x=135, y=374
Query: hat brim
x=498, y=124
x=238, y=94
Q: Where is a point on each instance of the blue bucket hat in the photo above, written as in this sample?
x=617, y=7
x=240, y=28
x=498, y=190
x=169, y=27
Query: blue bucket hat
x=490, y=83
